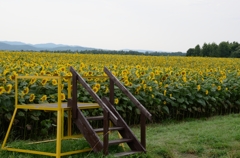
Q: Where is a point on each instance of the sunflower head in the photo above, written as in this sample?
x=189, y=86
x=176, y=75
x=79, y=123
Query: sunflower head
x=95, y=89
x=43, y=98
x=116, y=101
x=54, y=82
x=2, y=89
x=25, y=91
x=8, y=88
x=44, y=81
x=63, y=97
x=32, y=97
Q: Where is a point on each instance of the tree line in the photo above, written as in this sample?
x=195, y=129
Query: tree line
x=223, y=49
x=120, y=52
x=100, y=51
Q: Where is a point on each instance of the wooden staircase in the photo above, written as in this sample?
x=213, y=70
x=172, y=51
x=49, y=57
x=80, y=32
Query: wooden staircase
x=109, y=113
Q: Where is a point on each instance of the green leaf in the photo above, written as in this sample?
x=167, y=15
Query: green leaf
x=202, y=102
x=34, y=118
x=237, y=102
x=183, y=106
x=199, y=95
x=130, y=108
x=166, y=109
x=194, y=108
x=21, y=114
x=8, y=116
x=213, y=99
x=119, y=108
x=138, y=111
x=180, y=100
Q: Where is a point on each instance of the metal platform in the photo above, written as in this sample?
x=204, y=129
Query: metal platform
x=54, y=106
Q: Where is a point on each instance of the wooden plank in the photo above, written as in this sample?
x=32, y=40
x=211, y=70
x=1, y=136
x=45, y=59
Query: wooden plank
x=130, y=96
x=93, y=118
x=110, y=129
x=119, y=141
x=126, y=153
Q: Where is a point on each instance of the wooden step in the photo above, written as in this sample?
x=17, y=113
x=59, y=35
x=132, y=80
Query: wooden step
x=90, y=118
x=126, y=153
x=119, y=141
x=110, y=129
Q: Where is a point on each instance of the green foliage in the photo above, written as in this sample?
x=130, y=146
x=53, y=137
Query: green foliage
x=224, y=49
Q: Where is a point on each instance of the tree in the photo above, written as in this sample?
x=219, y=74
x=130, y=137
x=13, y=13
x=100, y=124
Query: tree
x=197, y=50
x=214, y=50
x=205, y=50
x=190, y=52
x=236, y=54
x=224, y=50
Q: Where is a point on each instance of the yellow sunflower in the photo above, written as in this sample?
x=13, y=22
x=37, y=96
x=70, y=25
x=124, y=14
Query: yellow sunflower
x=116, y=101
x=206, y=92
x=32, y=81
x=25, y=91
x=54, y=82
x=44, y=81
x=63, y=97
x=32, y=97
x=97, y=85
x=2, y=90
x=165, y=92
x=43, y=98
x=198, y=87
x=8, y=88
x=95, y=89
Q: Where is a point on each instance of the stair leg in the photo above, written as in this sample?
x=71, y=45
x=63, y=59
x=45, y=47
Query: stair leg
x=9, y=128
x=59, y=134
x=105, y=132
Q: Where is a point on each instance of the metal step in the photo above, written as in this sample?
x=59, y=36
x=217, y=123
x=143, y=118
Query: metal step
x=119, y=141
x=110, y=129
x=126, y=153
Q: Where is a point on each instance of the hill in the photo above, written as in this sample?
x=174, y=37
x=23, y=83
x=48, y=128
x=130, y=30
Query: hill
x=18, y=46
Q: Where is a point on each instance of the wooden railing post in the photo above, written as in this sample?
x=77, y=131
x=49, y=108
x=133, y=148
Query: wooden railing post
x=105, y=132
x=111, y=91
x=143, y=130
x=74, y=96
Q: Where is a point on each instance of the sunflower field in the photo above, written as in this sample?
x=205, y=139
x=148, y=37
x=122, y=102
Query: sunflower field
x=169, y=87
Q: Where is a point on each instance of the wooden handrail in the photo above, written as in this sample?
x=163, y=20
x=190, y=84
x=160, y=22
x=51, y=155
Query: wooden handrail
x=142, y=109
x=94, y=95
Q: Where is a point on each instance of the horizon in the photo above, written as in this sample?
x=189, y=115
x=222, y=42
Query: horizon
x=60, y=45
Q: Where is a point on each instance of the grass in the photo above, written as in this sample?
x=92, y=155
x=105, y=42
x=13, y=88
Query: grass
x=215, y=137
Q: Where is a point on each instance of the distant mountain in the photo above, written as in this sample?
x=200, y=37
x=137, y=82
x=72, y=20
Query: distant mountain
x=13, y=42
x=18, y=46
x=140, y=50
x=4, y=46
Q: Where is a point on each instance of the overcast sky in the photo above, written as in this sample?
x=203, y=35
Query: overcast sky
x=166, y=25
